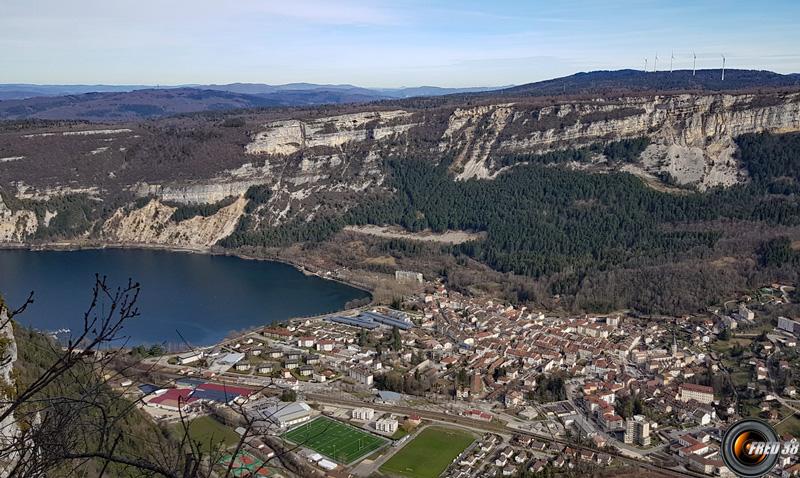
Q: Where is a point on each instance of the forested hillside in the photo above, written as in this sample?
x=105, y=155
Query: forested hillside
x=70, y=427
x=542, y=220
x=598, y=82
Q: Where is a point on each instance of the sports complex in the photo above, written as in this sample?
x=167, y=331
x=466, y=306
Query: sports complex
x=334, y=439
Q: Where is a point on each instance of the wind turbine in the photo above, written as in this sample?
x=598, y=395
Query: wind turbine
x=655, y=64
x=671, y=59
x=694, y=63
x=645, y=65
x=723, y=67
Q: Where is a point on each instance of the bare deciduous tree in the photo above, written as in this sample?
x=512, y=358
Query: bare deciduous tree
x=67, y=419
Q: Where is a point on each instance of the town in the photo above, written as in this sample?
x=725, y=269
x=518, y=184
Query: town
x=445, y=384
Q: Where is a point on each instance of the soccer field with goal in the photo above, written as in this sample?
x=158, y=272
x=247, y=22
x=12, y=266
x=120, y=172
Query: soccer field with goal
x=336, y=440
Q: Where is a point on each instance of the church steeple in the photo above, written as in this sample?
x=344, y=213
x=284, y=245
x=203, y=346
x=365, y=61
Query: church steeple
x=674, y=344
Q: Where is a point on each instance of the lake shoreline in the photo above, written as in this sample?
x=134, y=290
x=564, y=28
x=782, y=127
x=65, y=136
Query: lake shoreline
x=203, y=250
x=48, y=273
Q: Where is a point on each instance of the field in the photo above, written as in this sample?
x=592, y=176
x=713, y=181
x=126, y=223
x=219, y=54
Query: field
x=209, y=433
x=429, y=454
x=334, y=439
x=449, y=237
x=790, y=425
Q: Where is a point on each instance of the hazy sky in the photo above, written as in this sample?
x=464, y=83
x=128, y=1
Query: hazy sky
x=382, y=43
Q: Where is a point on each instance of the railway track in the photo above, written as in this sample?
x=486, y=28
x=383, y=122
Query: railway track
x=496, y=428
x=448, y=418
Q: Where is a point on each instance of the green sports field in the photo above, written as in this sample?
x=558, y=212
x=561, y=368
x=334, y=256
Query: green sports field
x=334, y=439
x=209, y=433
x=429, y=454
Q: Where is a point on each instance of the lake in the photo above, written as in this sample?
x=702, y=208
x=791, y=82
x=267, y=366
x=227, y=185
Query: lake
x=203, y=296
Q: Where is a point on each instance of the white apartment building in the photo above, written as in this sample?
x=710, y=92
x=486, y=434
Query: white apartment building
x=386, y=425
x=637, y=430
x=365, y=414
x=361, y=374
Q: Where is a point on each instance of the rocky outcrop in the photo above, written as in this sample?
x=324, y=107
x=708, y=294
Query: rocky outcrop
x=15, y=226
x=153, y=224
x=196, y=193
x=8, y=347
x=692, y=135
x=474, y=136
x=291, y=136
x=9, y=430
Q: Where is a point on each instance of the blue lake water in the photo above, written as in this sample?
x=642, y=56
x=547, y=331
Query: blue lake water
x=204, y=297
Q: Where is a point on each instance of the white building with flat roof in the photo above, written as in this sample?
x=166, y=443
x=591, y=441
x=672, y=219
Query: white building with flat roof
x=386, y=425
x=361, y=374
x=190, y=357
x=365, y=414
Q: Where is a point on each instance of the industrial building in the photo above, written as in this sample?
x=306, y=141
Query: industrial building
x=403, y=324
x=282, y=414
x=373, y=320
x=354, y=322
x=190, y=357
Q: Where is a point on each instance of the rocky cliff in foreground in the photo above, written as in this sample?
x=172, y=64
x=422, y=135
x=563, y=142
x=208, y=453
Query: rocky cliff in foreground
x=9, y=430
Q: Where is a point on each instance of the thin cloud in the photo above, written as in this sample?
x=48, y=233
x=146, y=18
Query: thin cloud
x=328, y=12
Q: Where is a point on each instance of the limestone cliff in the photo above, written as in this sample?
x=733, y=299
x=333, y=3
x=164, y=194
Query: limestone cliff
x=8, y=357
x=290, y=136
x=153, y=224
x=692, y=136
x=15, y=226
x=317, y=164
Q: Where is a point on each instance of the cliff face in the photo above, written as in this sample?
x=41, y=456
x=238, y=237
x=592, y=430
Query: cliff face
x=320, y=164
x=291, y=136
x=152, y=224
x=15, y=226
x=692, y=136
x=8, y=357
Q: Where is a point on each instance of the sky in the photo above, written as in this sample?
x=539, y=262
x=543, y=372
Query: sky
x=382, y=43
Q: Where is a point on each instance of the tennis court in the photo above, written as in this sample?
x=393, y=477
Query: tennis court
x=245, y=465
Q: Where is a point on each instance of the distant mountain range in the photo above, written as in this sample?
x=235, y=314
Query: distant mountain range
x=21, y=91
x=129, y=102
x=135, y=102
